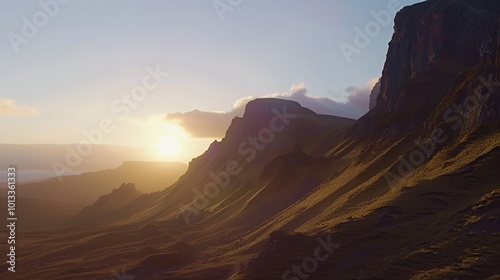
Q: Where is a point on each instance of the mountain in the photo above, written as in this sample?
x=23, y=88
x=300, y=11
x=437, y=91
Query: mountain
x=87, y=187
x=272, y=145
x=409, y=191
x=424, y=163
x=106, y=204
x=49, y=204
x=275, y=155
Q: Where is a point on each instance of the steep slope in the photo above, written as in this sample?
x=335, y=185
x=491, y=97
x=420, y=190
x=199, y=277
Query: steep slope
x=106, y=205
x=228, y=174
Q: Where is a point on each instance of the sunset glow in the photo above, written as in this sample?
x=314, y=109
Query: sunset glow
x=168, y=146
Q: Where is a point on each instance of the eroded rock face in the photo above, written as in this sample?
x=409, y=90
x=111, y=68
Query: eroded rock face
x=432, y=43
x=474, y=99
x=491, y=71
x=445, y=34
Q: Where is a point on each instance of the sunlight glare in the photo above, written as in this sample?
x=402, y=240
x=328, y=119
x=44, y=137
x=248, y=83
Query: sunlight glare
x=168, y=146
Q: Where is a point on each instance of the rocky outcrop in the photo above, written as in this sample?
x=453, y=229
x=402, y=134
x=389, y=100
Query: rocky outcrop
x=108, y=203
x=444, y=34
x=432, y=43
x=474, y=100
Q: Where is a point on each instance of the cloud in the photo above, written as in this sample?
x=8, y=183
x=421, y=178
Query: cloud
x=203, y=124
x=8, y=107
x=355, y=106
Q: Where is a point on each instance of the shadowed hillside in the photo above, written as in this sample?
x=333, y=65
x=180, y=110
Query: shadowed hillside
x=48, y=204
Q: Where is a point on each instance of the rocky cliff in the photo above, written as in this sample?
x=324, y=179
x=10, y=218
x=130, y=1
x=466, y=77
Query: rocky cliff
x=433, y=42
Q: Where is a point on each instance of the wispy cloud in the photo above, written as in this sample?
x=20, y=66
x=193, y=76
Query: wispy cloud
x=8, y=107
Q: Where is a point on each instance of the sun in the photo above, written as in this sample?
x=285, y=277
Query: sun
x=168, y=146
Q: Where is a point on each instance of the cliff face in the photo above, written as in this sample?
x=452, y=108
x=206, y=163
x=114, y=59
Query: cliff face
x=490, y=70
x=473, y=101
x=374, y=94
x=432, y=43
x=442, y=34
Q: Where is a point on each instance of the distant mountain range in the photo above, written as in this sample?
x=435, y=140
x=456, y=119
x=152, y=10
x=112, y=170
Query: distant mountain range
x=87, y=187
x=52, y=202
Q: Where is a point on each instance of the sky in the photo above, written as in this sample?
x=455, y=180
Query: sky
x=170, y=75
